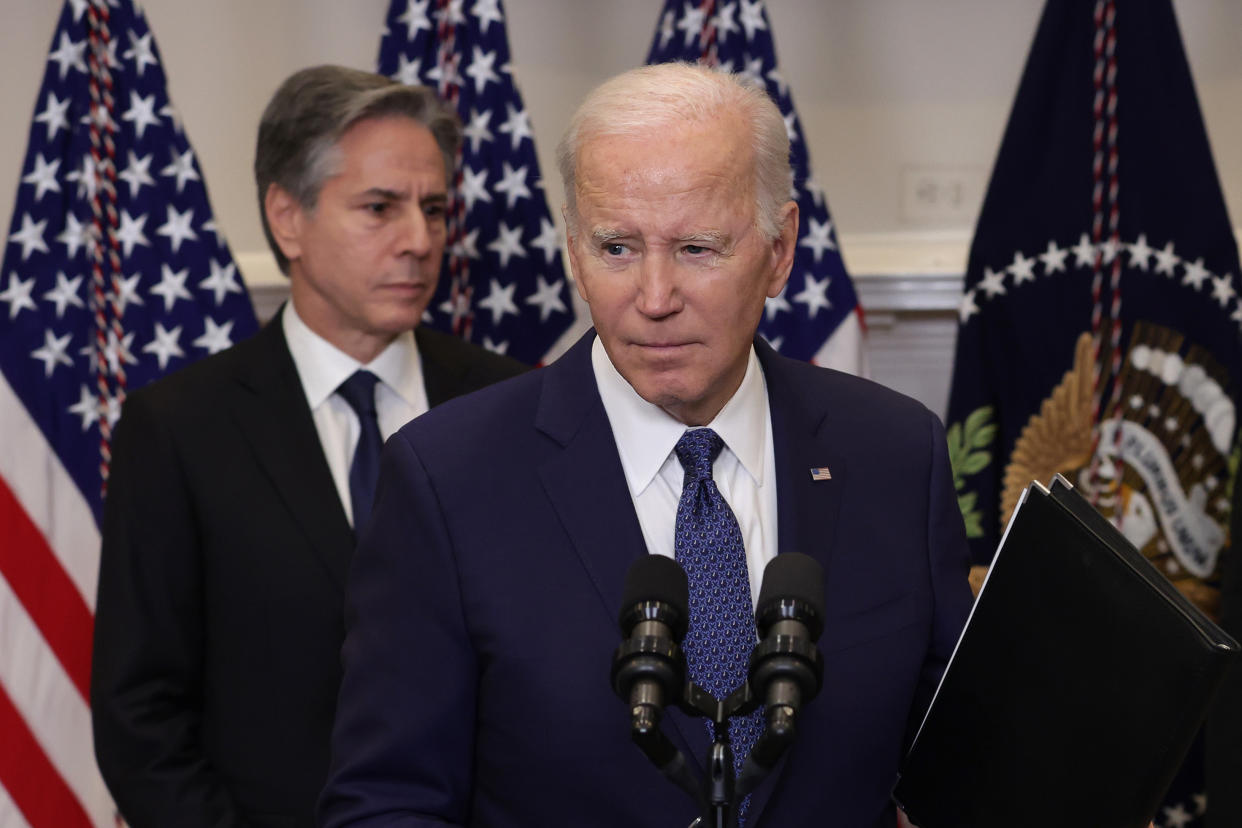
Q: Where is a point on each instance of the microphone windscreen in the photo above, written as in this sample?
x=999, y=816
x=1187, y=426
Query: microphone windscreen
x=656, y=578
x=793, y=576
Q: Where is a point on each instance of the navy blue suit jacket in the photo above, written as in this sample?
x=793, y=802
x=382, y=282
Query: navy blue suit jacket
x=483, y=600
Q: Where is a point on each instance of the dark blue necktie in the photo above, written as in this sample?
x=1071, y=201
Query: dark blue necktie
x=359, y=392
x=708, y=544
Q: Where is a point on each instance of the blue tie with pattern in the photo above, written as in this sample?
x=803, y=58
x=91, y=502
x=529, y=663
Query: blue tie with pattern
x=708, y=544
x=359, y=392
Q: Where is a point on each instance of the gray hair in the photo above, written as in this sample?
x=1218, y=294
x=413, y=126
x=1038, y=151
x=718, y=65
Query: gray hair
x=297, y=147
x=642, y=100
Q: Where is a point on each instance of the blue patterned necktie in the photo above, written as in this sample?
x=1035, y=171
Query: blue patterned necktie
x=708, y=544
x=359, y=392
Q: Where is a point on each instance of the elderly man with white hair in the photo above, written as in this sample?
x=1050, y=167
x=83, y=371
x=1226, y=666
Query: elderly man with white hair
x=483, y=599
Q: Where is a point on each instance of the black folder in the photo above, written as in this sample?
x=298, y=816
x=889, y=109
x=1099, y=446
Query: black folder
x=1076, y=688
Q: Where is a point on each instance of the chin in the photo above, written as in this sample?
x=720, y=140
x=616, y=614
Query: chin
x=666, y=397
x=397, y=323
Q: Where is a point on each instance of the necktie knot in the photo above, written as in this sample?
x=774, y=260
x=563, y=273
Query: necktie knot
x=359, y=392
x=696, y=451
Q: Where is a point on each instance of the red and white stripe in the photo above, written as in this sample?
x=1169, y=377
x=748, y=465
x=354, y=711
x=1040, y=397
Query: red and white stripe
x=49, y=558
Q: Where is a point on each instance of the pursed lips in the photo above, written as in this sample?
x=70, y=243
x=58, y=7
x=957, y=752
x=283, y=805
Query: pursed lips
x=403, y=286
x=663, y=346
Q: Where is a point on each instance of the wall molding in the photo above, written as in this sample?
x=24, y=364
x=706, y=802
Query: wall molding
x=907, y=272
x=893, y=273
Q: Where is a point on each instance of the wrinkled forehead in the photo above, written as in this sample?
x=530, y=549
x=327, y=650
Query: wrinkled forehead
x=667, y=157
x=678, y=189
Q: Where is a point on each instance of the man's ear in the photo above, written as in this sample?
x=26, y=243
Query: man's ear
x=784, y=246
x=285, y=219
x=571, y=244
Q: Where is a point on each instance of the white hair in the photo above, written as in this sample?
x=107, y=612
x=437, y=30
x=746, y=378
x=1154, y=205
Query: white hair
x=642, y=100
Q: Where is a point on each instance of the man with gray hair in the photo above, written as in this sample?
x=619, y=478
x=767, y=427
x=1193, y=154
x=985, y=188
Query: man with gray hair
x=482, y=604
x=239, y=483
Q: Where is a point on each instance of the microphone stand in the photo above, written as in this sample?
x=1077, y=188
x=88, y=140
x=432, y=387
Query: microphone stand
x=649, y=668
x=720, y=792
x=719, y=804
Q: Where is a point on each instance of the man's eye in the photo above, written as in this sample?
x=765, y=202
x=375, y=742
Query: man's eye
x=377, y=208
x=434, y=211
x=615, y=249
x=695, y=249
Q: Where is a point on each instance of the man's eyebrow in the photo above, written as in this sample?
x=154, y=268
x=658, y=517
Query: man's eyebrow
x=385, y=194
x=603, y=235
x=710, y=236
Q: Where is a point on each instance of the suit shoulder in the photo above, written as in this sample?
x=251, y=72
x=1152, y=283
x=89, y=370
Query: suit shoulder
x=197, y=386
x=839, y=391
x=492, y=409
x=437, y=346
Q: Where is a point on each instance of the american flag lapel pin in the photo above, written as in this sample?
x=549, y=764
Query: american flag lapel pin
x=820, y=473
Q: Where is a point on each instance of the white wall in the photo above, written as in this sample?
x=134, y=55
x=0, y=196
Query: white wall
x=885, y=88
x=882, y=85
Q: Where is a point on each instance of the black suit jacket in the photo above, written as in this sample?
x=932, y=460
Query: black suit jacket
x=219, y=619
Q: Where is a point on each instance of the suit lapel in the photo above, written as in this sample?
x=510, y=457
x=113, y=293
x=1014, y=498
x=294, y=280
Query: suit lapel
x=270, y=406
x=586, y=485
x=807, y=508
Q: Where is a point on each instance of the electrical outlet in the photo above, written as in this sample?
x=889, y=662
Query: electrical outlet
x=940, y=195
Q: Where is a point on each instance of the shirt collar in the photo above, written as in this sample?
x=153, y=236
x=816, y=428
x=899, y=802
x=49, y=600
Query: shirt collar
x=322, y=366
x=743, y=422
x=646, y=434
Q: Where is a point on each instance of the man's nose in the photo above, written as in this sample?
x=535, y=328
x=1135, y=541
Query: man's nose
x=415, y=233
x=658, y=294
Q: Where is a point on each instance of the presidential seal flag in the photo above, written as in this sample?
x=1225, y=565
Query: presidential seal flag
x=113, y=274
x=817, y=317
x=1100, y=321
x=503, y=282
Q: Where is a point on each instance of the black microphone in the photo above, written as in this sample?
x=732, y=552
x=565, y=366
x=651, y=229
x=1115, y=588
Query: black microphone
x=786, y=668
x=649, y=668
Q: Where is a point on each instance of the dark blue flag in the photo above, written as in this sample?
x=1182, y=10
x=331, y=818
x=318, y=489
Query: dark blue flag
x=1099, y=328
x=817, y=317
x=113, y=274
x=503, y=282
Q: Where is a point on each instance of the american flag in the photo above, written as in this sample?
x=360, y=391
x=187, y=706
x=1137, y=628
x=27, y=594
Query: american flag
x=80, y=323
x=503, y=282
x=817, y=317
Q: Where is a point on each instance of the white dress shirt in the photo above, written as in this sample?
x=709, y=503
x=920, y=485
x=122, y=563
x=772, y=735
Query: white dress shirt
x=400, y=395
x=744, y=471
